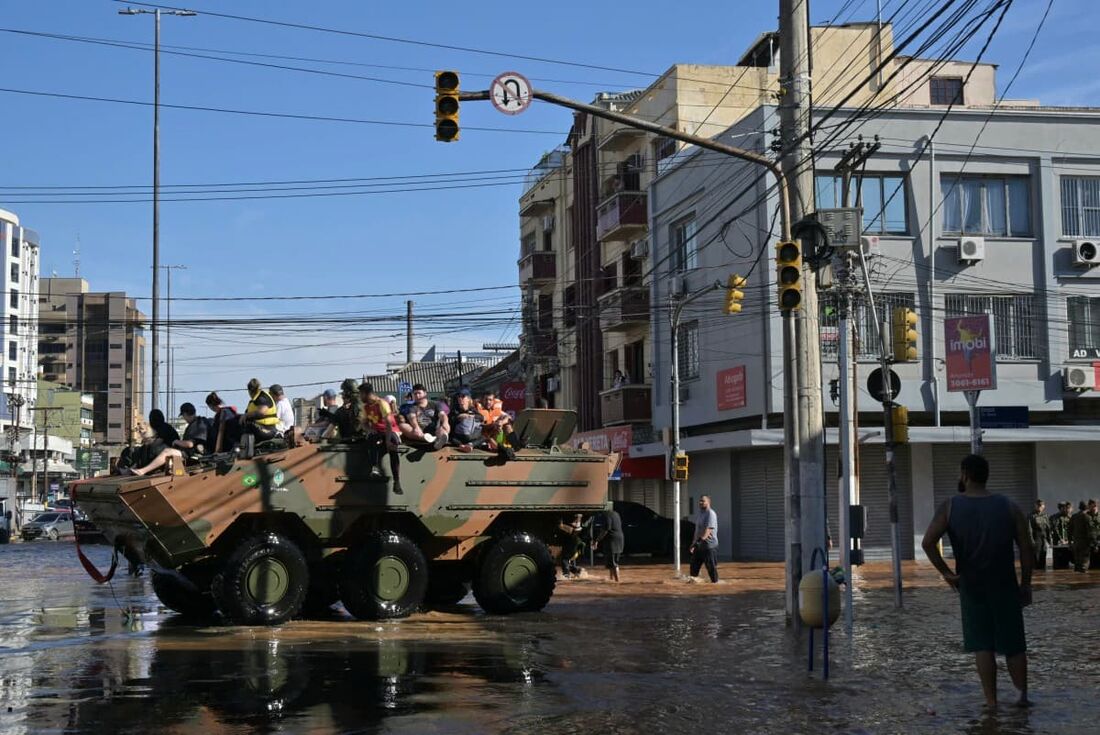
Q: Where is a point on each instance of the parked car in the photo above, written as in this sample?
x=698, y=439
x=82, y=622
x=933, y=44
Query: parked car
x=51, y=524
x=644, y=531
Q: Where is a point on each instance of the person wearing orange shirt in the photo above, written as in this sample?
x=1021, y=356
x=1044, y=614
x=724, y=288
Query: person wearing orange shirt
x=497, y=426
x=380, y=426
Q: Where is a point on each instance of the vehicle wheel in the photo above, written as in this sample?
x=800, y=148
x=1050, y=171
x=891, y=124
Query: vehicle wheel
x=386, y=577
x=324, y=586
x=516, y=574
x=53, y=534
x=179, y=594
x=264, y=581
x=445, y=586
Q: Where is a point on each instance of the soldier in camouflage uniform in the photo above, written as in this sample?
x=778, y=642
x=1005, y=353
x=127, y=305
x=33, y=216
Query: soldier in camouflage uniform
x=1080, y=537
x=1059, y=525
x=1093, y=516
x=1040, y=534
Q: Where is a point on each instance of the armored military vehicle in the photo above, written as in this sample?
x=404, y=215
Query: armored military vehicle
x=263, y=538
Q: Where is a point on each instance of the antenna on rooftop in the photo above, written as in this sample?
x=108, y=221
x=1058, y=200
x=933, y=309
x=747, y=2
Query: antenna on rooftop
x=76, y=257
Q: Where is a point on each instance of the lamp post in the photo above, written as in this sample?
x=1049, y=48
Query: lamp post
x=156, y=13
x=170, y=388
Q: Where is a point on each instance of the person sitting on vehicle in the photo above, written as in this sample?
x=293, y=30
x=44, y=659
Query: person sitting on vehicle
x=157, y=438
x=225, y=429
x=284, y=413
x=347, y=417
x=466, y=422
x=259, y=418
x=497, y=426
x=424, y=422
x=380, y=425
x=193, y=444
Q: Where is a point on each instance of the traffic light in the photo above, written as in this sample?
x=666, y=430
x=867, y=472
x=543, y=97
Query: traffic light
x=899, y=418
x=680, y=467
x=905, y=334
x=788, y=260
x=446, y=106
x=734, y=294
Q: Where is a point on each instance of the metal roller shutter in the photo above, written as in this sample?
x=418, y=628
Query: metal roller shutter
x=635, y=491
x=875, y=497
x=758, y=493
x=1011, y=471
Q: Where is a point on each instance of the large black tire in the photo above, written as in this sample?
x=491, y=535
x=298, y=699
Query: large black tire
x=179, y=594
x=447, y=586
x=385, y=577
x=263, y=582
x=515, y=574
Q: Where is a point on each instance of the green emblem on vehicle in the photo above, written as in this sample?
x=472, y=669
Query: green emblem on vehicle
x=277, y=480
x=249, y=480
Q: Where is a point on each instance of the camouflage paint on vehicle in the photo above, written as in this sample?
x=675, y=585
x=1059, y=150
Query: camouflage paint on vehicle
x=323, y=496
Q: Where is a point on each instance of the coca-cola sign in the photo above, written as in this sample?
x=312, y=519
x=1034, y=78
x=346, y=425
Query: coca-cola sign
x=513, y=396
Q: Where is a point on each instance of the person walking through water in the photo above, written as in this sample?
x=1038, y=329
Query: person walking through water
x=982, y=528
x=704, y=545
x=613, y=532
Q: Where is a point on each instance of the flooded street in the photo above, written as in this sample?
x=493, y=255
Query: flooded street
x=650, y=656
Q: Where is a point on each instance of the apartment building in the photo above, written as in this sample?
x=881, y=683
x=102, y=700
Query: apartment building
x=998, y=215
x=19, y=276
x=73, y=418
x=95, y=343
x=585, y=240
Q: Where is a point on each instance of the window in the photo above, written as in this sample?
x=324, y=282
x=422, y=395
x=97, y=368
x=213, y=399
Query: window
x=1080, y=206
x=687, y=349
x=867, y=344
x=115, y=366
x=985, y=205
x=13, y=324
x=115, y=345
x=569, y=314
x=634, y=363
x=13, y=351
x=1014, y=319
x=114, y=386
x=663, y=148
x=610, y=279
x=1084, y=326
x=685, y=255
x=611, y=366
x=632, y=271
x=546, y=313
x=114, y=426
x=15, y=247
x=527, y=245
x=883, y=198
x=114, y=405
x=946, y=90
x=11, y=377
x=15, y=273
x=13, y=300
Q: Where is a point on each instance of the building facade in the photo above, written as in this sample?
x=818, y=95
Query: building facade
x=73, y=417
x=20, y=316
x=95, y=343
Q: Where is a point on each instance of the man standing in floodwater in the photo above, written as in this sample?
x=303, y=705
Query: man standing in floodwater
x=982, y=528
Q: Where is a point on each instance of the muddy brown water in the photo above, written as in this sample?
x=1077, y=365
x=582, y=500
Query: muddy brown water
x=652, y=655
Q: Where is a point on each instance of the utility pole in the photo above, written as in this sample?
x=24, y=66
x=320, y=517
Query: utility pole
x=156, y=13
x=170, y=364
x=408, y=332
x=805, y=470
x=46, y=411
x=16, y=401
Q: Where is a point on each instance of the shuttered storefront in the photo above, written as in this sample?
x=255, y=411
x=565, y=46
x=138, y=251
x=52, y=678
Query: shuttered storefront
x=875, y=497
x=1011, y=471
x=758, y=500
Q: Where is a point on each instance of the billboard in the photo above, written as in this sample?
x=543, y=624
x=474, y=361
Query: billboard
x=513, y=396
x=970, y=353
x=731, y=388
x=91, y=460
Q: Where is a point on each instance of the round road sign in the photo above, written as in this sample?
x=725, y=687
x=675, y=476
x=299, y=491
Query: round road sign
x=510, y=93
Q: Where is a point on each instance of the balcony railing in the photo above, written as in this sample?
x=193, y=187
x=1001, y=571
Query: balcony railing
x=539, y=266
x=622, y=216
x=625, y=405
x=624, y=308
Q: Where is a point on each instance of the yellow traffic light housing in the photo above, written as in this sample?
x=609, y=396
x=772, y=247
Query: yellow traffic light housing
x=680, y=467
x=446, y=106
x=734, y=294
x=899, y=418
x=905, y=334
x=788, y=261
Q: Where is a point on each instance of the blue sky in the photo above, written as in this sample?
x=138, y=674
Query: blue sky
x=379, y=243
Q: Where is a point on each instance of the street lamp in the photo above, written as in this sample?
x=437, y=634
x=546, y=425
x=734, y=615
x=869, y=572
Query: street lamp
x=156, y=13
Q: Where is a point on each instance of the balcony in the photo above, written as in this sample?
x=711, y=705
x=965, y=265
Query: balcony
x=626, y=405
x=620, y=139
x=537, y=208
x=622, y=216
x=624, y=308
x=538, y=267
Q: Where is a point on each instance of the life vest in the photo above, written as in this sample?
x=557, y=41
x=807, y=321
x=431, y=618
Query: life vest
x=267, y=416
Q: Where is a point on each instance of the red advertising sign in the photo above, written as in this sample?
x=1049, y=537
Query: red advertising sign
x=513, y=396
x=731, y=388
x=605, y=440
x=970, y=356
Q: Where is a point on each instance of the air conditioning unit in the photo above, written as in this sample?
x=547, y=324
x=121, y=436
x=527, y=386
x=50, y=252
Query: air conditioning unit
x=676, y=286
x=1079, y=377
x=1086, y=253
x=639, y=249
x=869, y=245
x=971, y=249
x=548, y=223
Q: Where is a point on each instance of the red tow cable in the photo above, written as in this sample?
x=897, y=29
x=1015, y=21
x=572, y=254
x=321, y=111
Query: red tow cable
x=89, y=567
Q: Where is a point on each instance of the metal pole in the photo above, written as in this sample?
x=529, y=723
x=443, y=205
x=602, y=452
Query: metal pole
x=847, y=458
x=168, y=340
x=674, y=402
x=794, y=111
x=34, y=462
x=408, y=331
x=156, y=209
x=975, y=422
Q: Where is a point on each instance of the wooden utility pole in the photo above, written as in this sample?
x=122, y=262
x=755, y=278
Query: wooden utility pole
x=408, y=331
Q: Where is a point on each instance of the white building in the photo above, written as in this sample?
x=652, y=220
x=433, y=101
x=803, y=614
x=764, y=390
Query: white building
x=19, y=320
